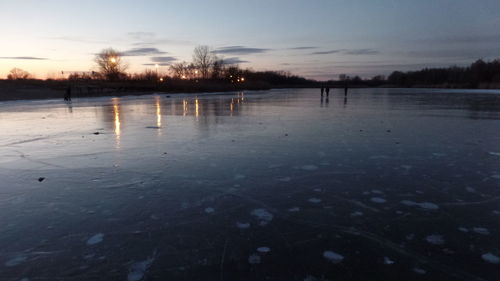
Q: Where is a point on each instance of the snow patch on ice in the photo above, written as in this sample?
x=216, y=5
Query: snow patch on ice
x=15, y=261
x=242, y=225
x=97, y=238
x=209, y=210
x=263, y=249
x=254, y=259
x=419, y=270
x=138, y=270
x=388, y=261
x=435, y=239
x=481, y=230
x=332, y=256
x=314, y=200
x=294, y=209
x=423, y=205
x=285, y=179
x=239, y=177
x=309, y=167
x=378, y=200
x=491, y=258
x=495, y=153
x=263, y=215
x=356, y=214
x=463, y=229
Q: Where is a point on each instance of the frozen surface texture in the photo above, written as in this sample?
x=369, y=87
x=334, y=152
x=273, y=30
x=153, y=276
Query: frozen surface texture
x=269, y=185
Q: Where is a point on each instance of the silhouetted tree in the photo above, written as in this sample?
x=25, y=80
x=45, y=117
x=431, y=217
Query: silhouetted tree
x=110, y=63
x=203, y=59
x=18, y=74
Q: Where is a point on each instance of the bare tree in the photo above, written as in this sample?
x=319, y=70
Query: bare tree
x=179, y=70
x=18, y=74
x=203, y=59
x=218, y=68
x=110, y=63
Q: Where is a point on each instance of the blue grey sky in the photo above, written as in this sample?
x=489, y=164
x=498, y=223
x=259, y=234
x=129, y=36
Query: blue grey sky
x=317, y=39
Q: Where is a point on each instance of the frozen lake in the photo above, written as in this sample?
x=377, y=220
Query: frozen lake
x=273, y=185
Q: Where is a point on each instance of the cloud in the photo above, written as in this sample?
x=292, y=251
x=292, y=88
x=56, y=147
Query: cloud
x=160, y=60
x=142, y=52
x=361, y=52
x=77, y=39
x=355, y=52
x=144, y=38
x=154, y=64
x=234, y=60
x=326, y=52
x=303, y=48
x=240, y=50
x=141, y=35
x=23, y=58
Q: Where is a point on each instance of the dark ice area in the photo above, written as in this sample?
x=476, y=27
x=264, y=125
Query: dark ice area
x=384, y=184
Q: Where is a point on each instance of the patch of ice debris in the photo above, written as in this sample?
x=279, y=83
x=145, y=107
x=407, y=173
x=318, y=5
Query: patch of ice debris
x=470, y=189
x=263, y=216
x=419, y=270
x=378, y=200
x=209, y=210
x=423, y=205
x=435, y=239
x=137, y=270
x=491, y=258
x=285, y=179
x=495, y=153
x=309, y=167
x=263, y=249
x=294, y=209
x=97, y=238
x=239, y=177
x=15, y=261
x=388, y=261
x=356, y=214
x=254, y=259
x=463, y=229
x=481, y=230
x=314, y=200
x=242, y=225
x=376, y=191
x=333, y=257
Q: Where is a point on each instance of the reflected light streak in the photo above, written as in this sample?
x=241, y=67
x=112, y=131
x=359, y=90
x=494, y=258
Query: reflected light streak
x=184, y=107
x=158, y=112
x=197, y=108
x=116, y=111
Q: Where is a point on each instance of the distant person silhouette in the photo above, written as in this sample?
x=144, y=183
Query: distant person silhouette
x=345, y=90
x=322, y=90
x=327, y=91
x=67, y=95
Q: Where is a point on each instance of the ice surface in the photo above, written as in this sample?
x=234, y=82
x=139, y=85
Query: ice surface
x=209, y=179
x=491, y=258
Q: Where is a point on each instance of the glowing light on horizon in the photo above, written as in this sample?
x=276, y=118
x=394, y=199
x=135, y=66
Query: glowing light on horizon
x=113, y=59
x=184, y=107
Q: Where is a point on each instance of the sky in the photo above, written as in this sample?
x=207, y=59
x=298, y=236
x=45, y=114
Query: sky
x=318, y=39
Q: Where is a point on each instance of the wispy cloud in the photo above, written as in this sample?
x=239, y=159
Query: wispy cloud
x=303, y=48
x=326, y=52
x=240, y=50
x=154, y=64
x=23, y=58
x=355, y=52
x=234, y=60
x=145, y=38
x=143, y=52
x=77, y=39
x=163, y=59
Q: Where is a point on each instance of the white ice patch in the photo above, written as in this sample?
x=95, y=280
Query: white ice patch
x=263, y=215
x=209, y=210
x=285, y=179
x=15, y=261
x=491, y=258
x=495, y=153
x=239, y=177
x=481, y=230
x=356, y=214
x=309, y=167
x=388, y=261
x=378, y=200
x=317, y=189
x=137, y=270
x=470, y=189
x=254, y=259
x=419, y=270
x=439, y=154
x=314, y=200
x=95, y=239
x=263, y=250
x=463, y=229
x=242, y=225
x=294, y=209
x=423, y=205
x=376, y=191
x=332, y=256
x=435, y=239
